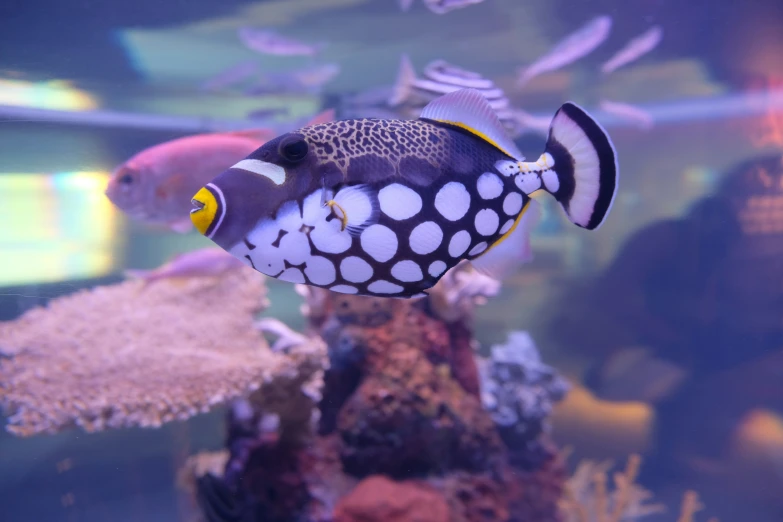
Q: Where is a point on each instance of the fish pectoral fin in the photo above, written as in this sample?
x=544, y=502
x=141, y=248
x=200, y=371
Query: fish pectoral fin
x=513, y=248
x=469, y=110
x=359, y=207
x=338, y=212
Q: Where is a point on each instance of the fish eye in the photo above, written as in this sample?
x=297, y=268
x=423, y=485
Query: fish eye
x=125, y=179
x=293, y=148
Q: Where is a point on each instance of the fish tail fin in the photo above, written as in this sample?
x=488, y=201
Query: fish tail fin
x=584, y=170
x=405, y=78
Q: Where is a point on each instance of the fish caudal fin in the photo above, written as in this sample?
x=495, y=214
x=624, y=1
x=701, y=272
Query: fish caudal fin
x=584, y=170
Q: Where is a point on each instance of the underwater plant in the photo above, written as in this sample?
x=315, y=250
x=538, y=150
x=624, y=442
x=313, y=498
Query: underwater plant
x=588, y=499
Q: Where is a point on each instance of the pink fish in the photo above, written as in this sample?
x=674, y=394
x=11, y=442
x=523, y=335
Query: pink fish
x=156, y=185
x=577, y=45
x=205, y=262
x=634, y=49
x=636, y=115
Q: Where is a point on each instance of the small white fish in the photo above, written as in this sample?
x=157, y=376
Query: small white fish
x=634, y=49
x=444, y=6
x=205, y=262
x=538, y=124
x=573, y=47
x=269, y=42
x=642, y=118
x=231, y=76
x=306, y=80
x=405, y=5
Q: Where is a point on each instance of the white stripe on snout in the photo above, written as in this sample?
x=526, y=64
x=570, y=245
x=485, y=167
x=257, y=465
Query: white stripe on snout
x=274, y=172
x=222, y=208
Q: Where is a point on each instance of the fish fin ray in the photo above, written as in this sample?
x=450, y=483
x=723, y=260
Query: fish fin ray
x=361, y=207
x=468, y=109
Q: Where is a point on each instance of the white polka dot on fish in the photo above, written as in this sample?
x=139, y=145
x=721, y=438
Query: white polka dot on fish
x=437, y=268
x=292, y=275
x=528, y=182
x=551, y=180
x=486, y=222
x=344, y=289
x=452, y=201
x=407, y=271
x=384, y=287
x=399, y=202
x=379, y=242
x=459, y=243
x=513, y=204
x=426, y=237
x=355, y=269
x=320, y=271
x=489, y=186
x=476, y=250
x=507, y=226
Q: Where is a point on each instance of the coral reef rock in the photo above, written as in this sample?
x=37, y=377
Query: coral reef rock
x=404, y=428
x=142, y=354
x=519, y=391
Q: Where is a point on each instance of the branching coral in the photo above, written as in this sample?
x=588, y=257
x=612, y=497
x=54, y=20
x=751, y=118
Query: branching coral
x=587, y=498
x=136, y=354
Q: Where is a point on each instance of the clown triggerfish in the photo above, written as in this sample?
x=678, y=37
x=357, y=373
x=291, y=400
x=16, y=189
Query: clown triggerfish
x=386, y=207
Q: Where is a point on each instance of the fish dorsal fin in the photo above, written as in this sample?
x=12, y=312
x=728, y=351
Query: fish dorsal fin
x=468, y=109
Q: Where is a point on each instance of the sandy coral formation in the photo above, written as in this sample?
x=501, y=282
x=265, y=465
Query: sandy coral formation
x=132, y=354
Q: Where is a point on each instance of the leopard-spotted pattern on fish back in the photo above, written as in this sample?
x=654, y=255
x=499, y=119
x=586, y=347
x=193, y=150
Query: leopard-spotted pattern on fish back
x=341, y=141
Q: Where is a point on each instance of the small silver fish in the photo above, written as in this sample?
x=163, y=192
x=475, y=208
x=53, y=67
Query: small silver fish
x=642, y=118
x=231, y=76
x=386, y=207
x=306, y=80
x=634, y=49
x=205, y=262
x=577, y=45
x=405, y=5
x=445, y=6
x=269, y=42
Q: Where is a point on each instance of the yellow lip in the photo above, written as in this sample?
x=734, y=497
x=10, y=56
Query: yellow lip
x=204, y=211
